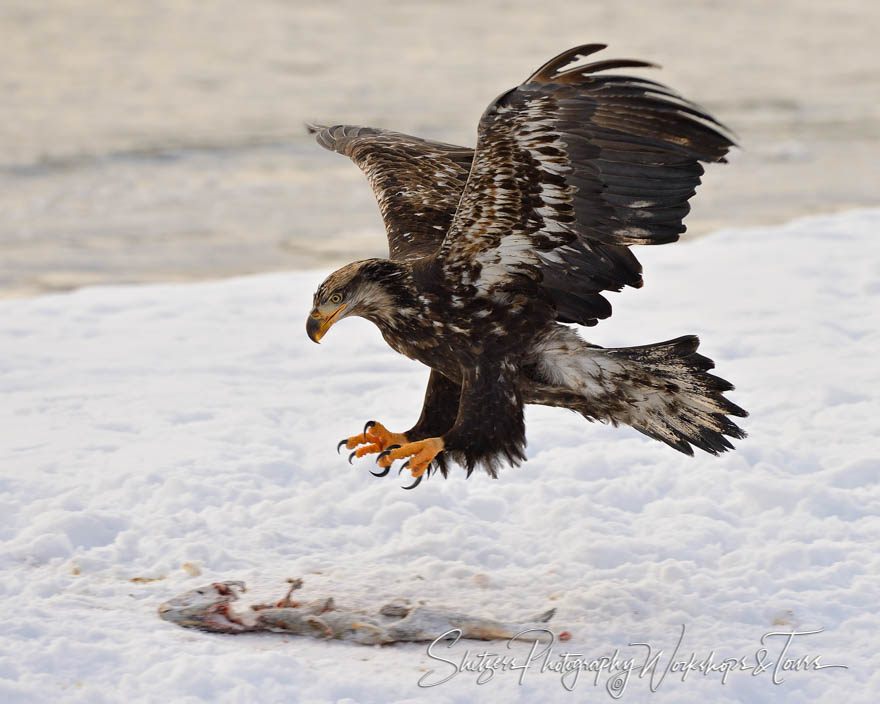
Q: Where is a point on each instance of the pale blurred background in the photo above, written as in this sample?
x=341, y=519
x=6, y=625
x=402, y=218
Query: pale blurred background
x=163, y=140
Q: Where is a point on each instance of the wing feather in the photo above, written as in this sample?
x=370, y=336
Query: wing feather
x=417, y=182
x=571, y=168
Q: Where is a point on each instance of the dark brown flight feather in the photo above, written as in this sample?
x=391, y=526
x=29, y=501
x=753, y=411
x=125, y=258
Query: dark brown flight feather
x=572, y=167
x=591, y=163
x=417, y=182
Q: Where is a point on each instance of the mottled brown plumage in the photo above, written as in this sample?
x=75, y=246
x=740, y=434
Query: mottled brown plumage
x=491, y=249
x=417, y=183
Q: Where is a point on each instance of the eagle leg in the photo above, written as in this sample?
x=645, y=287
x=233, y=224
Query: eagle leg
x=375, y=438
x=420, y=454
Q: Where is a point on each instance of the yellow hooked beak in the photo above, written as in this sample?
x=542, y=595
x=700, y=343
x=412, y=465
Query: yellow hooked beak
x=319, y=321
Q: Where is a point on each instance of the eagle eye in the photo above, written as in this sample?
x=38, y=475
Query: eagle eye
x=336, y=298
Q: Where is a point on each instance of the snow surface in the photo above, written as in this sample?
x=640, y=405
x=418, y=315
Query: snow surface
x=148, y=427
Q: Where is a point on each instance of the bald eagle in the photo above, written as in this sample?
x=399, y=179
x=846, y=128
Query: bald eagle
x=493, y=250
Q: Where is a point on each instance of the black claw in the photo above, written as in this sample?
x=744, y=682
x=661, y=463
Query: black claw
x=369, y=424
x=382, y=473
x=386, y=452
x=405, y=465
x=415, y=483
x=341, y=443
x=351, y=456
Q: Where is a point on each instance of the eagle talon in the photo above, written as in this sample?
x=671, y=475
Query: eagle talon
x=374, y=438
x=382, y=473
x=419, y=455
x=384, y=454
x=418, y=480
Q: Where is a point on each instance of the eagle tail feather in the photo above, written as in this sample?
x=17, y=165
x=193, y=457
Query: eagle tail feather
x=676, y=400
x=663, y=390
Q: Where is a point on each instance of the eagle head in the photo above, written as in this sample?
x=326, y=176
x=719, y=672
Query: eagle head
x=371, y=289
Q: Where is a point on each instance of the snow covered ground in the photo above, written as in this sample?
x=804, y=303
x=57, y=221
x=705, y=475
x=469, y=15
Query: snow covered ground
x=148, y=427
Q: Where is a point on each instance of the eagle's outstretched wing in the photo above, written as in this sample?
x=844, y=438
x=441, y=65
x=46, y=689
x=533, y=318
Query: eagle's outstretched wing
x=417, y=182
x=571, y=167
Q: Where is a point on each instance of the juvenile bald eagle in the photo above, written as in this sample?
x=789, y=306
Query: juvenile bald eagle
x=493, y=249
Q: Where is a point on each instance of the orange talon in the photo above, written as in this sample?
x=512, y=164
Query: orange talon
x=368, y=449
x=375, y=438
x=421, y=454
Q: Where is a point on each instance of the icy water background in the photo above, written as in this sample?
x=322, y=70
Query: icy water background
x=163, y=140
